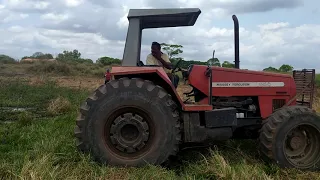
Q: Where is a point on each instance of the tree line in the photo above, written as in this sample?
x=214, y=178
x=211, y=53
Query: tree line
x=174, y=52
x=74, y=57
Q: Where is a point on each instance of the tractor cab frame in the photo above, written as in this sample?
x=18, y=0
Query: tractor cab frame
x=140, y=19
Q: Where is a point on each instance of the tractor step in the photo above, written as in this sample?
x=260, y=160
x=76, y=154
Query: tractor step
x=197, y=107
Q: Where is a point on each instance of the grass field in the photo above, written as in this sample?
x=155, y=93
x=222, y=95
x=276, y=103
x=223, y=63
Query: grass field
x=37, y=118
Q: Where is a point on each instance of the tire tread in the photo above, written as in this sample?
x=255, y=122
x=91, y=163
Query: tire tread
x=273, y=122
x=82, y=120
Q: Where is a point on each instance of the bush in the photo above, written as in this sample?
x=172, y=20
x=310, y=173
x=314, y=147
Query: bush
x=59, y=105
x=68, y=68
x=98, y=72
x=82, y=69
x=318, y=80
x=51, y=67
x=4, y=59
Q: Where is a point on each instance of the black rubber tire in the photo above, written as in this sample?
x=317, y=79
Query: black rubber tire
x=153, y=99
x=274, y=130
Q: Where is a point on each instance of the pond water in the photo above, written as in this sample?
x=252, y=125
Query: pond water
x=12, y=114
x=15, y=109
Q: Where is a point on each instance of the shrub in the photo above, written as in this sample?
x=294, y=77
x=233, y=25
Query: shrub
x=59, y=105
x=318, y=80
x=51, y=67
x=4, y=59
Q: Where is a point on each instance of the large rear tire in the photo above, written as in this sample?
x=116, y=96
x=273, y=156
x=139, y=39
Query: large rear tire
x=129, y=122
x=291, y=137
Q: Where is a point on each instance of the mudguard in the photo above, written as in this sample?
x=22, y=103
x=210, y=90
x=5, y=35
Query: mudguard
x=159, y=77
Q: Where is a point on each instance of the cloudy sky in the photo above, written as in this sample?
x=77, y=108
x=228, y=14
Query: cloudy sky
x=272, y=32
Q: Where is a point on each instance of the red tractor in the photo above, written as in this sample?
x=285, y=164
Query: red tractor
x=139, y=118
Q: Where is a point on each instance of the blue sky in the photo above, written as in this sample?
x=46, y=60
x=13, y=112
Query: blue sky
x=273, y=32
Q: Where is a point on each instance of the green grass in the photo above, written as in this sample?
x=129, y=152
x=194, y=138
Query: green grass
x=37, y=99
x=44, y=147
x=318, y=80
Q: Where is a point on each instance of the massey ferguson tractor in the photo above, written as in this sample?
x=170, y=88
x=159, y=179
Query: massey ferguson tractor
x=138, y=118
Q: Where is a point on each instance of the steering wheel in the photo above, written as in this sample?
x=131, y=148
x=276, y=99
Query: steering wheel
x=175, y=66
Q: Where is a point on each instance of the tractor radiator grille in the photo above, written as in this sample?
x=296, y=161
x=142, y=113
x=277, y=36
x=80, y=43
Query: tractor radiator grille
x=278, y=103
x=305, y=80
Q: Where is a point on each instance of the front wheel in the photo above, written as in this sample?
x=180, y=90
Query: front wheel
x=291, y=137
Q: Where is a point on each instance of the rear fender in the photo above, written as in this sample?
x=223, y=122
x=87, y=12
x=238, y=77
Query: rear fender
x=154, y=74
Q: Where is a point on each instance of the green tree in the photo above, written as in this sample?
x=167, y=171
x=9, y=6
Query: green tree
x=46, y=56
x=108, y=61
x=4, y=59
x=184, y=64
x=69, y=56
x=271, y=69
x=227, y=64
x=173, y=51
x=214, y=62
x=85, y=61
x=286, y=68
x=76, y=54
x=42, y=56
x=37, y=55
x=72, y=57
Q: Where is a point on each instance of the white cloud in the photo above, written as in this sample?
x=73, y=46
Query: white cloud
x=73, y=3
x=54, y=41
x=7, y=16
x=98, y=28
x=16, y=29
x=20, y=4
x=14, y=2
x=123, y=21
x=273, y=26
x=56, y=18
x=41, y=5
x=77, y=25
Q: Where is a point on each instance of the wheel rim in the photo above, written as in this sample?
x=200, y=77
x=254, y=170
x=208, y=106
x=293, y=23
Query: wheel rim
x=302, y=146
x=129, y=132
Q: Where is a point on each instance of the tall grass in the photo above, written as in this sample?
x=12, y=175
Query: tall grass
x=55, y=69
x=17, y=96
x=318, y=80
x=64, y=68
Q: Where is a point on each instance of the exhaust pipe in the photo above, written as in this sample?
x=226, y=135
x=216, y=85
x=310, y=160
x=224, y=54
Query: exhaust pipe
x=236, y=42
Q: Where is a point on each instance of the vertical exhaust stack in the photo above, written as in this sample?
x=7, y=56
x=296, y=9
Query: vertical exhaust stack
x=236, y=42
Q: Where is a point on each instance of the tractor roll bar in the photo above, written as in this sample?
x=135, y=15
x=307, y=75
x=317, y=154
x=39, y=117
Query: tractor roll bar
x=236, y=42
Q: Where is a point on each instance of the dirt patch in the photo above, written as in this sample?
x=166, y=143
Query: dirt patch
x=79, y=82
x=76, y=82
x=70, y=81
